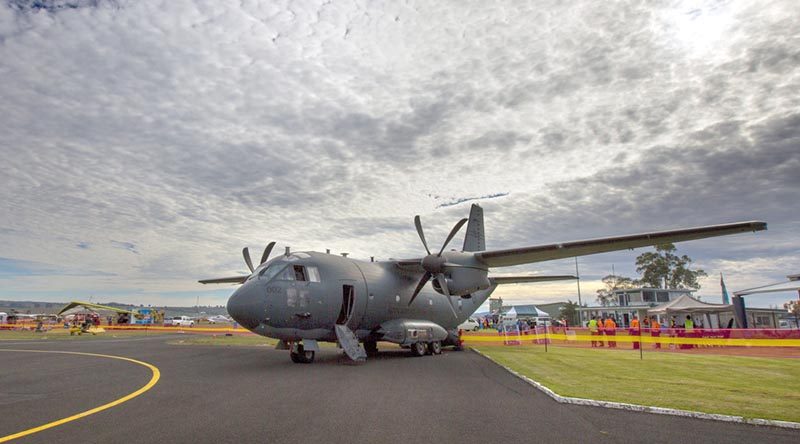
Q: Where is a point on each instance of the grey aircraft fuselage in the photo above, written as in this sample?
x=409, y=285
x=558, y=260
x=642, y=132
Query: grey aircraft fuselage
x=303, y=295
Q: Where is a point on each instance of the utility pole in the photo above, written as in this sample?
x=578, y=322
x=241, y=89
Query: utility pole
x=580, y=305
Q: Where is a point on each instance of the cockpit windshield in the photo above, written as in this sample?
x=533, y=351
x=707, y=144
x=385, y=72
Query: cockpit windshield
x=271, y=271
x=282, y=269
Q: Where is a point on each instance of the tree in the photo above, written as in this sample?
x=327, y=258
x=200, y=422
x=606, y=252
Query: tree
x=794, y=308
x=613, y=282
x=570, y=312
x=665, y=269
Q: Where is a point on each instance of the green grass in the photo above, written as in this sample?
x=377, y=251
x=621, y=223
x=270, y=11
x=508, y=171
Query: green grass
x=766, y=388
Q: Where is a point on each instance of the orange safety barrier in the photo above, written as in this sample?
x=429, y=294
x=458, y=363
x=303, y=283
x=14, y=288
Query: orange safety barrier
x=665, y=337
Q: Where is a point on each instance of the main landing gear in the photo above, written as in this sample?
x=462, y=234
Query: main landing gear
x=371, y=347
x=422, y=348
x=301, y=356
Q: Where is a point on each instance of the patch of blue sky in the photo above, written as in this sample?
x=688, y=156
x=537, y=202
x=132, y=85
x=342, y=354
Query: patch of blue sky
x=130, y=246
x=20, y=268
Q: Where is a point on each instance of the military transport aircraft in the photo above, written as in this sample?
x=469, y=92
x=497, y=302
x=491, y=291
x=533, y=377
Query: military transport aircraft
x=301, y=298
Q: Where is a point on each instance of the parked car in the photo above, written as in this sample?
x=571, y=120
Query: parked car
x=181, y=321
x=470, y=325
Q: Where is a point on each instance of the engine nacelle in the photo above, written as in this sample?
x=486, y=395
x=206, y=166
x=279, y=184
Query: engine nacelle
x=464, y=281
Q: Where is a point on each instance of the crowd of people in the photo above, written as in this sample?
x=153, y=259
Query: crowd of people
x=606, y=325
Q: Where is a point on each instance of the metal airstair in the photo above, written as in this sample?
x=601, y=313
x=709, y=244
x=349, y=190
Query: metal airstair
x=349, y=343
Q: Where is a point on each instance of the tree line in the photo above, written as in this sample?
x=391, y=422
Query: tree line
x=663, y=268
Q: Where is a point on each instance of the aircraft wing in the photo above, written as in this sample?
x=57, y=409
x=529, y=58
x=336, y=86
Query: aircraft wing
x=90, y=305
x=523, y=279
x=541, y=253
x=225, y=280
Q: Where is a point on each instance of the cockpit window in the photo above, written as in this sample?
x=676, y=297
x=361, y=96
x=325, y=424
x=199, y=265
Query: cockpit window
x=286, y=272
x=270, y=272
x=300, y=273
x=313, y=274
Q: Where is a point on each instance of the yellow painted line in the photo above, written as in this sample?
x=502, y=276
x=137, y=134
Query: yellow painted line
x=146, y=387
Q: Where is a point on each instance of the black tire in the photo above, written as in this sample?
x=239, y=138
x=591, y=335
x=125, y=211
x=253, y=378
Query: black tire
x=418, y=349
x=302, y=356
x=371, y=347
x=435, y=348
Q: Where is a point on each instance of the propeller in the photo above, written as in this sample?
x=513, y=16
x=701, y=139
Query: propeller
x=434, y=264
x=264, y=256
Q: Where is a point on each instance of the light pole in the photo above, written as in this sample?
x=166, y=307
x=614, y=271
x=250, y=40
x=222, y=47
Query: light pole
x=580, y=305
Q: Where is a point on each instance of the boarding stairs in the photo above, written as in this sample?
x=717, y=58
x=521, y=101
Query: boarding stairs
x=350, y=344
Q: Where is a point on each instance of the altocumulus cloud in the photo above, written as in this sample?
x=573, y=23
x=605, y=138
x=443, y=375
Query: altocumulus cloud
x=182, y=130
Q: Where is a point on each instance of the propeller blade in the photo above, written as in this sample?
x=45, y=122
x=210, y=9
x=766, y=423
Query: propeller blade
x=443, y=283
x=246, y=254
x=267, y=251
x=452, y=307
x=425, y=278
x=451, y=235
x=418, y=224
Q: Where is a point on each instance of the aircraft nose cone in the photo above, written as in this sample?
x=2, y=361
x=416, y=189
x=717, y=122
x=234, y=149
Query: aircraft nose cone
x=247, y=305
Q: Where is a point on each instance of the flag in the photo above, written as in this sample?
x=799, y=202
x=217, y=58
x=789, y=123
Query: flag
x=725, y=299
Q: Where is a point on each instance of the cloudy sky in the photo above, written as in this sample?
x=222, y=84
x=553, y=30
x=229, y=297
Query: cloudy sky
x=144, y=143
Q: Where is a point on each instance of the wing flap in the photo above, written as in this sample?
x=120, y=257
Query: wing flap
x=225, y=280
x=541, y=253
x=524, y=279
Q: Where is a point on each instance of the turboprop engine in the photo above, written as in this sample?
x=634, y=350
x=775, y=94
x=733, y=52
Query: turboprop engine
x=463, y=282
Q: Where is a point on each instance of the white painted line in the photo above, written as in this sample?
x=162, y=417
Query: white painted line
x=646, y=408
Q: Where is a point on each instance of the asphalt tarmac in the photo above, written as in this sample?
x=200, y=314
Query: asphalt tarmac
x=247, y=395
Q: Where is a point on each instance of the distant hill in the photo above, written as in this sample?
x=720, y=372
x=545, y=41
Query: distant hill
x=34, y=307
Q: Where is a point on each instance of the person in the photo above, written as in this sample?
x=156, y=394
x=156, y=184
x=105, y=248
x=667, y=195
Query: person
x=655, y=331
x=688, y=331
x=600, y=329
x=635, y=331
x=610, y=328
x=592, y=324
x=688, y=325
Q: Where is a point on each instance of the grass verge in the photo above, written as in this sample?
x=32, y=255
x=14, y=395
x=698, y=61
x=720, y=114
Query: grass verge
x=63, y=334
x=767, y=388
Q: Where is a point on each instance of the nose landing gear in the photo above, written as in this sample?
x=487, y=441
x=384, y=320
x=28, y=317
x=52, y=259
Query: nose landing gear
x=300, y=355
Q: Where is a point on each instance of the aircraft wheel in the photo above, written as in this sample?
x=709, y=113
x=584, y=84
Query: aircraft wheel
x=418, y=349
x=302, y=356
x=371, y=347
x=435, y=348
x=306, y=357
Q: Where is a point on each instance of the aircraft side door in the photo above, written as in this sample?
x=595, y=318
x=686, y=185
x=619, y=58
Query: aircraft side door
x=353, y=296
